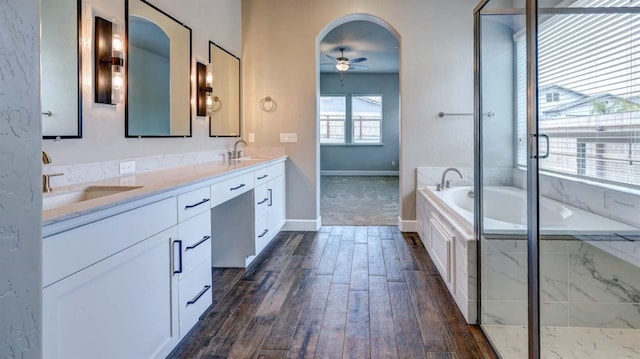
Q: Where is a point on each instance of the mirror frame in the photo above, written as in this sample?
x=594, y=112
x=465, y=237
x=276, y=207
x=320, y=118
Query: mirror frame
x=126, y=73
x=239, y=93
x=79, y=118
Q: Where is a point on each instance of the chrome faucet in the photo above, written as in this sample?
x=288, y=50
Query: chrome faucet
x=236, y=153
x=46, y=182
x=443, y=184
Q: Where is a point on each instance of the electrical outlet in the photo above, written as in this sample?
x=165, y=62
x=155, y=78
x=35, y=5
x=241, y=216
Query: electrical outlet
x=252, y=137
x=127, y=167
x=288, y=137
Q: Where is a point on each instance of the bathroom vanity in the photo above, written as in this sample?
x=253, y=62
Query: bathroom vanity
x=127, y=261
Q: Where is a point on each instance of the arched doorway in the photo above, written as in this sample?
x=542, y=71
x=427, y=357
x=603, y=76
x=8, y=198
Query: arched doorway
x=358, y=119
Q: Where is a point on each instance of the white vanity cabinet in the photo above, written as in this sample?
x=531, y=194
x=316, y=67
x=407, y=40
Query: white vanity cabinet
x=108, y=290
x=192, y=265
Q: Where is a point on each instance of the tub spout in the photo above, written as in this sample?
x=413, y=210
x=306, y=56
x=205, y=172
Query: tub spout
x=444, y=176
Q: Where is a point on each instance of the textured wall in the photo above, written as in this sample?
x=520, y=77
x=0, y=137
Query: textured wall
x=20, y=169
x=436, y=74
x=365, y=158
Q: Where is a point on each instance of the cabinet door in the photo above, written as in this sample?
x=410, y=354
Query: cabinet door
x=121, y=307
x=276, y=205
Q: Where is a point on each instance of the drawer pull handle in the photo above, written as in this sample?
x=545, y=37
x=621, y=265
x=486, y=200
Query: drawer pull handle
x=270, y=197
x=195, y=299
x=263, y=201
x=263, y=177
x=235, y=188
x=263, y=233
x=179, y=256
x=204, y=239
x=204, y=200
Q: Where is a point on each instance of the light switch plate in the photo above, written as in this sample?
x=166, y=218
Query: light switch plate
x=288, y=137
x=127, y=167
x=252, y=137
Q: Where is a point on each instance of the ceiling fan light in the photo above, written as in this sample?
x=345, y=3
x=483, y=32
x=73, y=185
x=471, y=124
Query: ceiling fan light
x=342, y=65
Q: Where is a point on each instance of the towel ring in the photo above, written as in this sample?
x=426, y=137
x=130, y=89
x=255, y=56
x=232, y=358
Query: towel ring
x=268, y=104
x=219, y=102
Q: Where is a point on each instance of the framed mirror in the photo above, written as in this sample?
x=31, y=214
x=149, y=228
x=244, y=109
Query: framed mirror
x=158, y=72
x=61, y=68
x=224, y=120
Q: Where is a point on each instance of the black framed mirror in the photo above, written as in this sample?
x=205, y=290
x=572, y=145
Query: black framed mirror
x=158, y=73
x=225, y=116
x=61, y=71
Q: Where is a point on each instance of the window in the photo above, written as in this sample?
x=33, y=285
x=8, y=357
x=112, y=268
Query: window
x=364, y=114
x=333, y=113
x=553, y=96
x=592, y=62
x=367, y=119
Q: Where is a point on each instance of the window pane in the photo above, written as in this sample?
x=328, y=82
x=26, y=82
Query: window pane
x=332, y=119
x=367, y=118
x=589, y=86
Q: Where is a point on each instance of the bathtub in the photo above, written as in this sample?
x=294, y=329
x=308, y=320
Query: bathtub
x=505, y=211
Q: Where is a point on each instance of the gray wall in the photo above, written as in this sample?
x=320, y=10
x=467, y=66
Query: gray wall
x=20, y=170
x=365, y=157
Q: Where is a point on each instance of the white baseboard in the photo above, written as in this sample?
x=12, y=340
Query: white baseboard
x=407, y=226
x=359, y=173
x=306, y=225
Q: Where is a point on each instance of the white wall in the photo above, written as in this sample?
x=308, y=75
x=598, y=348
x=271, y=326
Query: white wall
x=103, y=125
x=436, y=65
x=20, y=170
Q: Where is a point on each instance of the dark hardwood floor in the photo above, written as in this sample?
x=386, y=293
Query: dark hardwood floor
x=350, y=292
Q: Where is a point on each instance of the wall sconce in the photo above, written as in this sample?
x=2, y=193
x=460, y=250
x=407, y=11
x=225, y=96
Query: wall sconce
x=109, y=62
x=204, y=80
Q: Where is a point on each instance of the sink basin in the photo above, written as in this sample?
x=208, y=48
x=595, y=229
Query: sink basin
x=54, y=200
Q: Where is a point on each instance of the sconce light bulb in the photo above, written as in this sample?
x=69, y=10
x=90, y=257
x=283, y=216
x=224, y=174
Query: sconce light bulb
x=209, y=79
x=117, y=81
x=117, y=43
x=209, y=101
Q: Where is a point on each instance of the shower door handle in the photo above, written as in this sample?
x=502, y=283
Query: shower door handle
x=546, y=153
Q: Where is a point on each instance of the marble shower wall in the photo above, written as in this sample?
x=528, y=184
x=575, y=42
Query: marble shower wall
x=582, y=285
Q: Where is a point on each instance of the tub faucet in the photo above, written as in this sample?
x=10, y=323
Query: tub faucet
x=444, y=185
x=236, y=153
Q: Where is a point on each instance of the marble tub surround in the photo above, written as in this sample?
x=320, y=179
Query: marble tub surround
x=614, y=202
x=430, y=176
x=152, y=186
x=93, y=171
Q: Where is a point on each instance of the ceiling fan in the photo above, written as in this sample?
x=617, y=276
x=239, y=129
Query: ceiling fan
x=343, y=64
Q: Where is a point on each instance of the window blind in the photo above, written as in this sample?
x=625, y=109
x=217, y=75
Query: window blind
x=589, y=66
x=333, y=114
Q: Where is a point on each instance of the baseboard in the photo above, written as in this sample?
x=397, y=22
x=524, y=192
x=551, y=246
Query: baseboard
x=407, y=226
x=359, y=173
x=306, y=225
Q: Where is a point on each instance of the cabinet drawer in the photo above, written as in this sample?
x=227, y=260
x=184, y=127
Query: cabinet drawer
x=195, y=297
x=275, y=170
x=261, y=176
x=261, y=198
x=195, y=234
x=194, y=202
x=262, y=235
x=68, y=252
x=225, y=190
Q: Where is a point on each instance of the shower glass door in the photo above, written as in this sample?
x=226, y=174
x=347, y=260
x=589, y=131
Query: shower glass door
x=589, y=181
x=501, y=186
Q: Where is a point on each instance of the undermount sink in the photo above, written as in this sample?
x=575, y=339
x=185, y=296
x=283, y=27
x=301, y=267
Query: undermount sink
x=53, y=200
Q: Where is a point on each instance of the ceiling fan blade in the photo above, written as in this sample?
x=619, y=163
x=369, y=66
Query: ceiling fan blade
x=331, y=57
x=356, y=66
x=359, y=59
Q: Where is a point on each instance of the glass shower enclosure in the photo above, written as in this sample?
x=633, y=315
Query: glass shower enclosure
x=557, y=177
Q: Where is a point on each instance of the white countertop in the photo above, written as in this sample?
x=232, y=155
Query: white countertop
x=154, y=186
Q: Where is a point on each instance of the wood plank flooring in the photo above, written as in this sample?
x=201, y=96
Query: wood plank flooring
x=342, y=292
